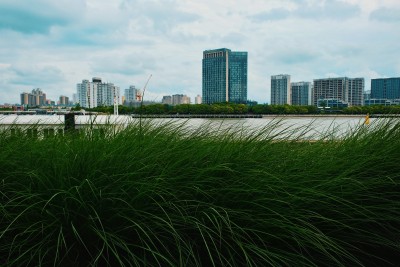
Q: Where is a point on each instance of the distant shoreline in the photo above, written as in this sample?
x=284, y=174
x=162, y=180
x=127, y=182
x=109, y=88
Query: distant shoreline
x=314, y=115
x=259, y=116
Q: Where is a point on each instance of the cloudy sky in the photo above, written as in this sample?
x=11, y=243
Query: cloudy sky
x=56, y=44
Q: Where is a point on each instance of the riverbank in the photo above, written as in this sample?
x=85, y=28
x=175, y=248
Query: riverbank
x=157, y=196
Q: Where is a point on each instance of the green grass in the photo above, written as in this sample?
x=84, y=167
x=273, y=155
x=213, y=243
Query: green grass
x=165, y=196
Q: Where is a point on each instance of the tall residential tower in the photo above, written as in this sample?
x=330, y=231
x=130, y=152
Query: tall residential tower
x=301, y=93
x=33, y=99
x=224, y=76
x=280, y=89
x=338, y=92
x=96, y=93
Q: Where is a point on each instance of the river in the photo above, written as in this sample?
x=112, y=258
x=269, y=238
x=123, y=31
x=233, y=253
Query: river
x=305, y=127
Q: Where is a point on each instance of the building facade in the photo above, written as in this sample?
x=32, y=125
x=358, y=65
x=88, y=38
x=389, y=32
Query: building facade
x=338, y=91
x=224, y=75
x=381, y=102
x=132, y=95
x=33, y=99
x=64, y=101
x=107, y=94
x=180, y=99
x=167, y=99
x=385, y=88
x=198, y=100
x=280, y=89
x=87, y=94
x=96, y=93
x=175, y=99
x=301, y=93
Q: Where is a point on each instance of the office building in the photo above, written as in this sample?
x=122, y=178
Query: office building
x=301, y=93
x=381, y=102
x=224, y=75
x=338, y=92
x=280, y=89
x=33, y=99
x=385, y=88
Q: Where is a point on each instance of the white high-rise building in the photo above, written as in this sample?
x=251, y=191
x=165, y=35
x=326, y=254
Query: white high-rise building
x=280, y=89
x=87, y=94
x=95, y=93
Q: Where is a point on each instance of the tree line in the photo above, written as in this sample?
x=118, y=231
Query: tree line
x=230, y=108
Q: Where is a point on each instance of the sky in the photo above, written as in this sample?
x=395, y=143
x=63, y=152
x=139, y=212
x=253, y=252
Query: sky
x=53, y=45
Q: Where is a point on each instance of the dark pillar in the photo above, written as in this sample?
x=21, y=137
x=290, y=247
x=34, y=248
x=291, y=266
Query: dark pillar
x=69, y=122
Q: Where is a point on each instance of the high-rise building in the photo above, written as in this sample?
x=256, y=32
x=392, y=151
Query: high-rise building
x=64, y=100
x=33, y=99
x=224, y=76
x=280, y=89
x=343, y=91
x=167, y=99
x=301, y=93
x=180, y=99
x=87, y=94
x=385, y=88
x=25, y=99
x=198, y=99
x=132, y=95
x=107, y=93
x=97, y=93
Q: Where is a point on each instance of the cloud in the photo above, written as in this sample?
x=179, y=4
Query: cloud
x=332, y=9
x=295, y=57
x=121, y=62
x=234, y=38
x=157, y=17
x=38, y=17
x=35, y=75
x=274, y=14
x=386, y=15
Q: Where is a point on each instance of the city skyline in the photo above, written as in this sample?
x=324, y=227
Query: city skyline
x=47, y=46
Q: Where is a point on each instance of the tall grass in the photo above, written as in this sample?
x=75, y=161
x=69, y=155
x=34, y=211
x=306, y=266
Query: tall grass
x=167, y=196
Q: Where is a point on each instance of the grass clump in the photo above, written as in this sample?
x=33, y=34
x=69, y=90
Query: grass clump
x=168, y=196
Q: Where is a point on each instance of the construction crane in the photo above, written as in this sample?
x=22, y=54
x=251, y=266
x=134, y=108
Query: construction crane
x=145, y=86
